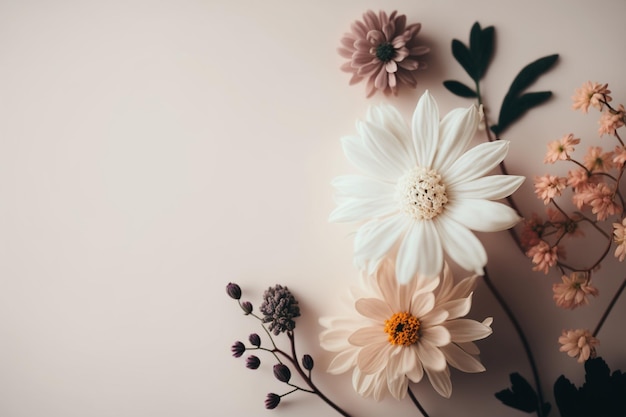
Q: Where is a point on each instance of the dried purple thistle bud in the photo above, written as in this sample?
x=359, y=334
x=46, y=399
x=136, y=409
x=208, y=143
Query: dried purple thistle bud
x=234, y=291
x=272, y=401
x=255, y=340
x=307, y=362
x=252, y=362
x=282, y=372
x=238, y=349
x=246, y=306
x=279, y=309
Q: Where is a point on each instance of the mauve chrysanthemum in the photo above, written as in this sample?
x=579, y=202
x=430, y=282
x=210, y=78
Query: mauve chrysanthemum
x=383, y=50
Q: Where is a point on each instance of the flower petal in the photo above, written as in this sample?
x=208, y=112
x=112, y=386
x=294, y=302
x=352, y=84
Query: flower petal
x=437, y=335
x=476, y=162
x=461, y=360
x=422, y=304
x=456, y=130
x=343, y=362
x=425, y=128
x=370, y=335
x=373, y=358
x=373, y=308
x=361, y=157
x=375, y=238
x=430, y=356
x=466, y=330
x=354, y=210
x=461, y=245
x=390, y=119
x=385, y=147
x=493, y=187
x=440, y=381
x=457, y=307
x=483, y=215
x=420, y=252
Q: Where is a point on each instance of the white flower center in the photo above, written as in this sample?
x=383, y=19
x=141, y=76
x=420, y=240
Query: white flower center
x=421, y=193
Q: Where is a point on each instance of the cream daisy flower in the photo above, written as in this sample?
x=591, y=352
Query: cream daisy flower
x=399, y=332
x=423, y=189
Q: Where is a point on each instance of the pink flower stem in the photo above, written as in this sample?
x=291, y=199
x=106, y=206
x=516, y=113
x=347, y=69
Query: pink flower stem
x=523, y=339
x=609, y=308
x=417, y=403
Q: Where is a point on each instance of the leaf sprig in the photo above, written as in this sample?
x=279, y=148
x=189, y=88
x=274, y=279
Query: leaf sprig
x=475, y=60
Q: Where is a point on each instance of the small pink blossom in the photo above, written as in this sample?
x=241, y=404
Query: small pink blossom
x=578, y=178
x=601, y=199
x=590, y=94
x=543, y=256
x=619, y=157
x=560, y=149
x=578, y=344
x=619, y=237
x=611, y=120
x=598, y=161
x=549, y=186
x=573, y=291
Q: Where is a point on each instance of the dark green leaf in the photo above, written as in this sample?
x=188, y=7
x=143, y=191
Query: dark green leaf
x=602, y=394
x=463, y=57
x=459, y=88
x=530, y=73
x=481, y=48
x=514, y=107
x=520, y=396
x=486, y=49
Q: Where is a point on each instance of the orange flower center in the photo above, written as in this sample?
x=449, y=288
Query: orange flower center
x=403, y=329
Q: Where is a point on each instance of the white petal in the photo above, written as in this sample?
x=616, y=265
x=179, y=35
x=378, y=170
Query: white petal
x=398, y=387
x=461, y=360
x=407, y=360
x=390, y=118
x=425, y=128
x=335, y=340
x=493, y=187
x=483, y=215
x=430, y=356
x=461, y=245
x=457, y=307
x=417, y=372
x=456, y=130
x=437, y=335
x=358, y=186
x=440, y=381
x=386, y=147
x=375, y=238
x=360, y=156
x=476, y=162
x=466, y=330
x=373, y=358
x=464, y=288
x=366, y=336
x=420, y=252
x=357, y=210
x=343, y=362
x=422, y=304
x=434, y=317
x=373, y=308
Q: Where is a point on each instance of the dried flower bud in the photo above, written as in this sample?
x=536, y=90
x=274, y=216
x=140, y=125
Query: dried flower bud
x=272, y=401
x=255, y=340
x=238, y=348
x=252, y=362
x=246, y=306
x=234, y=291
x=279, y=309
x=307, y=362
x=282, y=372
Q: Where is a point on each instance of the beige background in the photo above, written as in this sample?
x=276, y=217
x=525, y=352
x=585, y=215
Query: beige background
x=153, y=151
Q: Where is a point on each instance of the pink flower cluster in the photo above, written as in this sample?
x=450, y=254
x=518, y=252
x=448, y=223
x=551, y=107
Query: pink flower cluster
x=593, y=185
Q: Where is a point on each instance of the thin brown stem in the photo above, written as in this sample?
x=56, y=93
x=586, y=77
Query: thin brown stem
x=609, y=308
x=417, y=403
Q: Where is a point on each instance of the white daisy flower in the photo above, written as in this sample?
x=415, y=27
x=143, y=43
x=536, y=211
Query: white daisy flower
x=395, y=333
x=423, y=189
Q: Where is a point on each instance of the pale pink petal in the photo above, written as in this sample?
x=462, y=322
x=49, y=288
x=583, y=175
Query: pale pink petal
x=466, y=330
x=437, y=335
x=373, y=308
x=461, y=360
x=440, y=381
